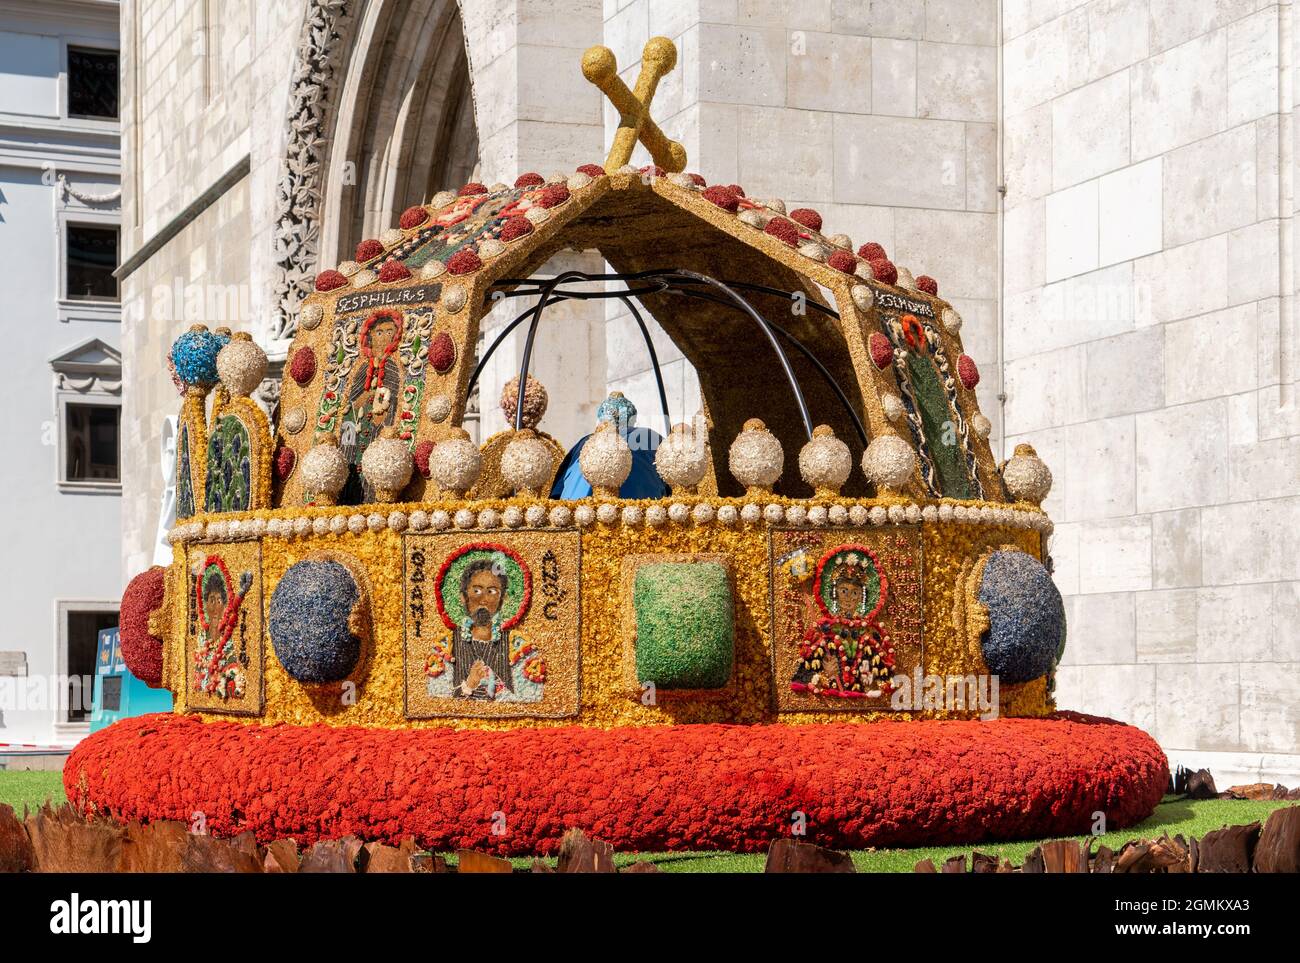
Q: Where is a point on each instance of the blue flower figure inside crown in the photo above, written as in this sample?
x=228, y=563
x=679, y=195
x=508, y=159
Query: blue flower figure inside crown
x=642, y=482
x=194, y=355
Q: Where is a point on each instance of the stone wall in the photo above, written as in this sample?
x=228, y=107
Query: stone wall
x=881, y=116
x=1148, y=360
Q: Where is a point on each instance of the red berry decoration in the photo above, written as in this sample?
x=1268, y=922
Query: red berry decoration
x=782, y=230
x=394, y=270
x=464, y=261
x=554, y=195
x=329, y=280
x=871, y=251
x=884, y=271
x=302, y=368
x=142, y=651
x=368, y=250
x=413, y=217
x=285, y=459
x=592, y=170
x=882, y=352
x=516, y=227
x=807, y=217
x=842, y=261
x=421, y=455
x=473, y=187
x=530, y=179
x=736, y=189
x=724, y=197
x=442, y=352
x=928, y=284
x=967, y=371
x=698, y=180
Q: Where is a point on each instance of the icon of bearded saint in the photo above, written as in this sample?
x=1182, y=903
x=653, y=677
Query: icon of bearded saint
x=846, y=653
x=372, y=395
x=482, y=658
x=218, y=670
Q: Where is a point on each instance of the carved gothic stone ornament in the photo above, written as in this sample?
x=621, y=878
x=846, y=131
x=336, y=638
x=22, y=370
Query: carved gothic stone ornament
x=298, y=200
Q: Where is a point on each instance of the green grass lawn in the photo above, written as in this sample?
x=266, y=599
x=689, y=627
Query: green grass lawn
x=31, y=788
x=1173, y=816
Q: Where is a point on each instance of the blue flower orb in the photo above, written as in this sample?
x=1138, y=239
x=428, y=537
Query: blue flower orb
x=619, y=410
x=309, y=621
x=1026, y=633
x=194, y=354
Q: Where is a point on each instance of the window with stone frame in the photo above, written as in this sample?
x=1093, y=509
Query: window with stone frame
x=90, y=260
x=93, y=82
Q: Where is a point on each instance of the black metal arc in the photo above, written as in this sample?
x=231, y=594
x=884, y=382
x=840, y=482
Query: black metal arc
x=766, y=328
x=542, y=304
x=803, y=350
x=670, y=282
x=654, y=361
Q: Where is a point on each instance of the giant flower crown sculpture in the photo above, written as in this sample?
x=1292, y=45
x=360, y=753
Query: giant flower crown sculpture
x=827, y=535
x=754, y=586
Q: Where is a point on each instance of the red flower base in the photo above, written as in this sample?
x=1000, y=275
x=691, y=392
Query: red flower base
x=648, y=789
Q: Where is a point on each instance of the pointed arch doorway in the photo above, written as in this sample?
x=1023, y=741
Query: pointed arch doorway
x=405, y=126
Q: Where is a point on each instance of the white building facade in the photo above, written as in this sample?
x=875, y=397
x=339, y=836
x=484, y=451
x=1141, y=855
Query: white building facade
x=60, y=211
x=1101, y=187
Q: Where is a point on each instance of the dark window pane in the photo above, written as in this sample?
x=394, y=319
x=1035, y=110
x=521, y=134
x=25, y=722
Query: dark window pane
x=92, y=83
x=83, y=644
x=92, y=259
x=92, y=442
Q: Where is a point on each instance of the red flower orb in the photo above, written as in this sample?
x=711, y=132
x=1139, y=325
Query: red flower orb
x=142, y=651
x=368, y=250
x=554, y=195
x=842, y=261
x=928, y=284
x=807, y=217
x=472, y=188
x=782, y=230
x=302, y=367
x=516, y=227
x=330, y=279
x=394, y=270
x=884, y=270
x=421, y=455
x=529, y=179
x=871, y=251
x=882, y=352
x=285, y=459
x=413, y=217
x=442, y=352
x=724, y=197
x=592, y=170
x=464, y=261
x=967, y=371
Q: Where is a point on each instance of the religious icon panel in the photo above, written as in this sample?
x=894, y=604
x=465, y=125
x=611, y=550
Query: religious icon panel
x=491, y=624
x=846, y=616
x=223, y=646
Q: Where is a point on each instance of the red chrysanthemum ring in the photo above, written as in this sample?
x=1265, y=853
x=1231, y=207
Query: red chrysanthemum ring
x=464, y=261
x=652, y=788
x=330, y=279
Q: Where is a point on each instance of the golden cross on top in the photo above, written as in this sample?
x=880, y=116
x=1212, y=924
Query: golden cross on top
x=635, y=123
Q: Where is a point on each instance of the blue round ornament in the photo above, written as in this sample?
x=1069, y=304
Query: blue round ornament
x=1026, y=617
x=308, y=620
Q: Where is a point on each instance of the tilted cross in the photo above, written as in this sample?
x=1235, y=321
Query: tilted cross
x=657, y=58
